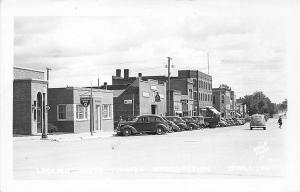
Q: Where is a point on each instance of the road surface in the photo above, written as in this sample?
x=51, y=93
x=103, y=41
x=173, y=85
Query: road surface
x=211, y=153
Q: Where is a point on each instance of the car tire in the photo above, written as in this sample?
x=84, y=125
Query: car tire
x=190, y=127
x=159, y=131
x=264, y=128
x=250, y=128
x=126, y=132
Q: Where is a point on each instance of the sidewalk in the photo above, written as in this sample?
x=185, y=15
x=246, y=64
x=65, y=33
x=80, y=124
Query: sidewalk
x=65, y=136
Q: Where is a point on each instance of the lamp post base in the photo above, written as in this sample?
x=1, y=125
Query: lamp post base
x=44, y=136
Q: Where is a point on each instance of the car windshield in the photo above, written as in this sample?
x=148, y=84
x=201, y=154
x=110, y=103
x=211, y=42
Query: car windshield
x=188, y=119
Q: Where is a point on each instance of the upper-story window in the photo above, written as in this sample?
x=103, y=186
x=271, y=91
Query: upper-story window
x=223, y=99
x=190, y=93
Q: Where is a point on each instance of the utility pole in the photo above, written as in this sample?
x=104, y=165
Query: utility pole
x=132, y=106
x=46, y=108
x=91, y=111
x=169, y=85
x=208, y=62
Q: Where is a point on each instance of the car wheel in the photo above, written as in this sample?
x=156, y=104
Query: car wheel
x=264, y=128
x=190, y=127
x=159, y=131
x=126, y=132
x=250, y=128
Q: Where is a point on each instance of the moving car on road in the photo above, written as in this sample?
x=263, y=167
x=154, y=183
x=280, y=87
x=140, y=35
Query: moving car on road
x=143, y=124
x=179, y=122
x=191, y=123
x=257, y=121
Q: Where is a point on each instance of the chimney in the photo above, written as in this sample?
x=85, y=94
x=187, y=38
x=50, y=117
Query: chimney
x=140, y=74
x=118, y=72
x=126, y=73
x=105, y=85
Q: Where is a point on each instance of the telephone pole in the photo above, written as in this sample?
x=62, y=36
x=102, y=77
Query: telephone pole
x=208, y=62
x=169, y=85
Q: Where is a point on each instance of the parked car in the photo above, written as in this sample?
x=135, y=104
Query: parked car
x=222, y=123
x=242, y=120
x=179, y=122
x=258, y=121
x=143, y=124
x=191, y=123
x=199, y=120
x=172, y=126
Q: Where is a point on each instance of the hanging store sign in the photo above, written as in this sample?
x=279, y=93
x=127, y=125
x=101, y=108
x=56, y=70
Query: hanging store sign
x=157, y=97
x=85, y=101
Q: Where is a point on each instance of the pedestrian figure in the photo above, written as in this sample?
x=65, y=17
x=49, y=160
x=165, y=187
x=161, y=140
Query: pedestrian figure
x=280, y=122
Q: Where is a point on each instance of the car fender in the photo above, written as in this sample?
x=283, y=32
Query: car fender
x=181, y=124
x=194, y=125
x=133, y=130
x=163, y=126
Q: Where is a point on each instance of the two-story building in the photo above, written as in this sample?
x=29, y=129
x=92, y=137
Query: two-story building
x=224, y=101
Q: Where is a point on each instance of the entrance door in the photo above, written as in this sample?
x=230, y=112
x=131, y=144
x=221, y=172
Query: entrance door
x=153, y=109
x=98, y=112
x=39, y=109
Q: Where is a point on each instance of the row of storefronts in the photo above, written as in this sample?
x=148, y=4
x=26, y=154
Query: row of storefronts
x=38, y=108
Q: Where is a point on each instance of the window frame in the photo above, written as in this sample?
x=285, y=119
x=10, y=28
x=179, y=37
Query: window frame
x=109, y=112
x=85, y=113
x=58, y=112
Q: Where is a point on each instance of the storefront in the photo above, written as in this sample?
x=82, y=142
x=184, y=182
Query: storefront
x=29, y=102
x=67, y=114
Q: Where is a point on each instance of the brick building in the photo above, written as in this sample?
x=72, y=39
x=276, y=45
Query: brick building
x=224, y=101
x=67, y=114
x=135, y=96
x=29, y=101
x=195, y=87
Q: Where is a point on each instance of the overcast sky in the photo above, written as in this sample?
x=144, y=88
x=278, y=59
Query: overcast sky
x=245, y=52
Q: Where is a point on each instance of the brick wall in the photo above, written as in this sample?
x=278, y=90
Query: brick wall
x=22, y=107
x=59, y=96
x=126, y=110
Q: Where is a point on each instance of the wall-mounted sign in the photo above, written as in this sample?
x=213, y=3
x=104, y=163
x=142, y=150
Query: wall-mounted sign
x=146, y=94
x=85, y=101
x=153, y=87
x=127, y=102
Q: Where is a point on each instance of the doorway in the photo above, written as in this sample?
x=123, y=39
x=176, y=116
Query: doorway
x=39, y=116
x=153, y=109
x=98, y=113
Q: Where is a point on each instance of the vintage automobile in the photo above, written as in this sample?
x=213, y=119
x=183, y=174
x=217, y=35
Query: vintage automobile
x=200, y=121
x=143, y=124
x=179, y=122
x=257, y=121
x=172, y=125
x=222, y=123
x=191, y=123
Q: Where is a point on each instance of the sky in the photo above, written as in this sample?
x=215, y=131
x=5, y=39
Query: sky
x=245, y=52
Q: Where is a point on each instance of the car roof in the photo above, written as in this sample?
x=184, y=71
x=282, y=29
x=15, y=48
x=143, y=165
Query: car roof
x=151, y=115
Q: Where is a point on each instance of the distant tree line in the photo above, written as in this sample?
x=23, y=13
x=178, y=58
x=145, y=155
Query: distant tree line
x=259, y=103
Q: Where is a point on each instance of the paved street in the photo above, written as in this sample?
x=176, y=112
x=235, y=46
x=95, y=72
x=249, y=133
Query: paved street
x=210, y=153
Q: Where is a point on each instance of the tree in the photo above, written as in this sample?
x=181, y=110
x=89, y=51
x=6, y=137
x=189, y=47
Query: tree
x=258, y=102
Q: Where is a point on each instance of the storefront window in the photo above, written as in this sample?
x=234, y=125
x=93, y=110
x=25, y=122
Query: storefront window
x=106, y=111
x=81, y=112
